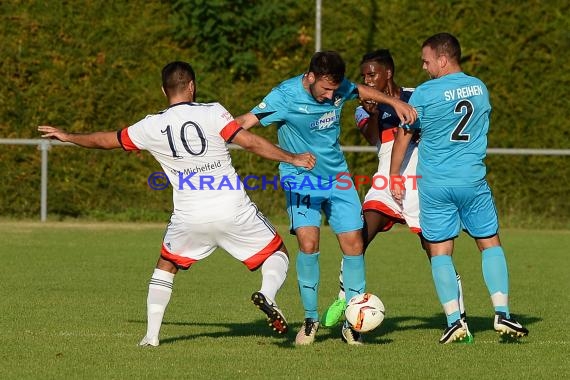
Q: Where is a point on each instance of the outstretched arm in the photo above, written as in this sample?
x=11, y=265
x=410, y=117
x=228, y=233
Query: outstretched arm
x=406, y=113
x=266, y=149
x=403, y=138
x=247, y=120
x=96, y=140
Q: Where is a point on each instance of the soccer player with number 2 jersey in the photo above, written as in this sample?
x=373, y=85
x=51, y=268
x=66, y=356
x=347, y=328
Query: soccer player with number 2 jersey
x=379, y=123
x=453, y=119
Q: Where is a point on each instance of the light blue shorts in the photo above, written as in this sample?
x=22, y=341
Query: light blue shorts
x=444, y=211
x=339, y=201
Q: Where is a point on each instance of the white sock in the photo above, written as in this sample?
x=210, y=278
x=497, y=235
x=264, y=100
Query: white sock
x=159, y=291
x=273, y=272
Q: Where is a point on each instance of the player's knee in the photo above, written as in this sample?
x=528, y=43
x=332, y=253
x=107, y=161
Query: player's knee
x=488, y=242
x=166, y=265
x=309, y=247
x=353, y=248
x=351, y=243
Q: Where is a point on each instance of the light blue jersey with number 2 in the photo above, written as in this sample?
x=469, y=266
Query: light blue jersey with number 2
x=453, y=116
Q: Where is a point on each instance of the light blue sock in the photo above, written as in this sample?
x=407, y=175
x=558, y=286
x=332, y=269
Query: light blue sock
x=308, y=274
x=496, y=277
x=354, y=274
x=445, y=280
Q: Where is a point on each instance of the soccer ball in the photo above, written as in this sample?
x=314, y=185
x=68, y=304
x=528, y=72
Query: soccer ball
x=364, y=312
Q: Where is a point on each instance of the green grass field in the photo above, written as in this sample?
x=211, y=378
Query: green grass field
x=73, y=300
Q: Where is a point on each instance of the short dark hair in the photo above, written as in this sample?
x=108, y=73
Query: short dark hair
x=444, y=43
x=176, y=76
x=328, y=64
x=380, y=56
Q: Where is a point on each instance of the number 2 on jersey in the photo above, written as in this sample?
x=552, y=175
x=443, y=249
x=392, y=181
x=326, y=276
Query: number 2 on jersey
x=465, y=108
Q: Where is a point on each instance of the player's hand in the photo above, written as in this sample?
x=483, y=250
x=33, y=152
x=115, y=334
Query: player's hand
x=52, y=133
x=406, y=112
x=305, y=160
x=397, y=187
x=370, y=106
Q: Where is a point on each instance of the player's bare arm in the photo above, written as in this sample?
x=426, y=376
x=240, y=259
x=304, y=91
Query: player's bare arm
x=370, y=129
x=247, y=120
x=401, y=142
x=406, y=113
x=96, y=140
x=266, y=149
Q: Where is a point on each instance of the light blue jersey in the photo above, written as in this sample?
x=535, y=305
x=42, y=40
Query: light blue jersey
x=305, y=125
x=453, y=116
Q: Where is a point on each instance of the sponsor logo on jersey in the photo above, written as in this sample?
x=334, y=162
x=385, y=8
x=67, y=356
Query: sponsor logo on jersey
x=261, y=105
x=386, y=115
x=326, y=121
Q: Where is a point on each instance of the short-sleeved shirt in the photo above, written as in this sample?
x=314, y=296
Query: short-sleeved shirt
x=305, y=125
x=189, y=142
x=453, y=116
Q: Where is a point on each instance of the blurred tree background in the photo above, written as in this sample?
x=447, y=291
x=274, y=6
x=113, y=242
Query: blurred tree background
x=95, y=65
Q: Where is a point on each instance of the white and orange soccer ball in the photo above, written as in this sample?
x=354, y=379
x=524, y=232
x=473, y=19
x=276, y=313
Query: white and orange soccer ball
x=364, y=312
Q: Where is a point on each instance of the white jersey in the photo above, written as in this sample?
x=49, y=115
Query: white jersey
x=189, y=142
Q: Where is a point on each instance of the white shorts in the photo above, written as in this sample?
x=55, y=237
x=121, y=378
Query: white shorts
x=379, y=197
x=246, y=235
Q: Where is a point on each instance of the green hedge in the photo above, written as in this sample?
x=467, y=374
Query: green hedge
x=95, y=65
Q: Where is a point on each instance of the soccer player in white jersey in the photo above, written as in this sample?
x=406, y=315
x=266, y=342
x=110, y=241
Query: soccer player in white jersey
x=211, y=209
x=453, y=119
x=307, y=111
x=378, y=123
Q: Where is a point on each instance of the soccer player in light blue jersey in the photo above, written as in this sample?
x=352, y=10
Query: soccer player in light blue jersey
x=306, y=110
x=378, y=123
x=453, y=117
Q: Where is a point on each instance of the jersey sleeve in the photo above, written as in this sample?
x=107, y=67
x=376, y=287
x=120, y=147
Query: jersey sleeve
x=273, y=108
x=349, y=89
x=361, y=116
x=224, y=122
x=133, y=137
